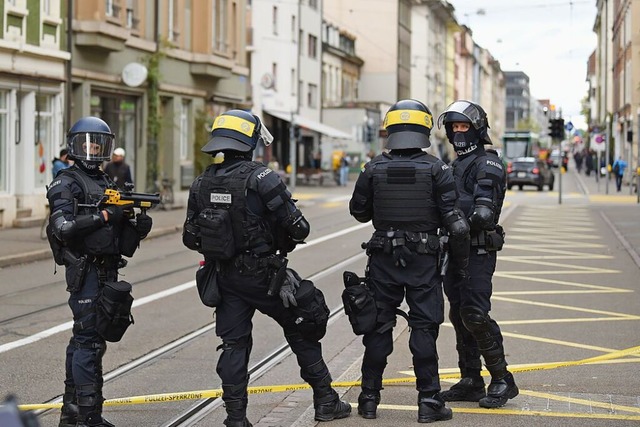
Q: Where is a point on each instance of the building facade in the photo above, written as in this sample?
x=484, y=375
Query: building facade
x=33, y=58
x=518, y=99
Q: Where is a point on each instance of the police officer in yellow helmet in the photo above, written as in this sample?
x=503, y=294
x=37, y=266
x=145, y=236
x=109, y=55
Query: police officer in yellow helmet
x=241, y=217
x=408, y=195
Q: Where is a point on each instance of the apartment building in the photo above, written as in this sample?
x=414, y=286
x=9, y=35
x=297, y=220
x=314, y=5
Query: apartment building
x=614, y=77
x=157, y=72
x=33, y=57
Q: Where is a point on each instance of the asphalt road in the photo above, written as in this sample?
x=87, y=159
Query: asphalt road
x=565, y=292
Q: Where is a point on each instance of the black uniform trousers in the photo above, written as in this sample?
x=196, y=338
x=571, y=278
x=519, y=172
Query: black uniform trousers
x=83, y=364
x=474, y=292
x=422, y=285
x=242, y=295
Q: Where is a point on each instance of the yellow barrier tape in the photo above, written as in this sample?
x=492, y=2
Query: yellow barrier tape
x=204, y=394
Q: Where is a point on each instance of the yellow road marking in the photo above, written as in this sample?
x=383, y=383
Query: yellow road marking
x=517, y=412
x=565, y=292
x=565, y=307
x=567, y=320
x=509, y=275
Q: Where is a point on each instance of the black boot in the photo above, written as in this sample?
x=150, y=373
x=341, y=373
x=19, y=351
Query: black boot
x=368, y=402
x=468, y=389
x=237, y=423
x=69, y=412
x=330, y=407
x=499, y=391
x=90, y=406
x=236, y=411
x=431, y=408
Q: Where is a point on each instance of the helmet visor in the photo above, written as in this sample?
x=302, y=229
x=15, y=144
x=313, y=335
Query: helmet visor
x=92, y=147
x=266, y=136
x=465, y=108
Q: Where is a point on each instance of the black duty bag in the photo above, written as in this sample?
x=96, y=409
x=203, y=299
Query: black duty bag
x=207, y=284
x=359, y=304
x=129, y=239
x=311, y=313
x=216, y=234
x=113, y=315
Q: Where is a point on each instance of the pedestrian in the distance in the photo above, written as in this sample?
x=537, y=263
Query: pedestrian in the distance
x=618, y=170
x=119, y=171
x=62, y=162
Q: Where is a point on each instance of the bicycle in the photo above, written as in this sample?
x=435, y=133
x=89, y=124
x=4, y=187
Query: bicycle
x=166, y=193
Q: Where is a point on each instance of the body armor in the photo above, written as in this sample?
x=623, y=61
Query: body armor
x=224, y=196
x=403, y=187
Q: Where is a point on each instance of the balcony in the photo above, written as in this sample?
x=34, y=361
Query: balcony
x=100, y=35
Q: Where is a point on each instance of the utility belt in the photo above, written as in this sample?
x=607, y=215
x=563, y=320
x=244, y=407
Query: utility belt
x=416, y=241
x=488, y=240
x=247, y=263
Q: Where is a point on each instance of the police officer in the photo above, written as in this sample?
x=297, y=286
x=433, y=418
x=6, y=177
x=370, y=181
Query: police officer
x=409, y=195
x=88, y=240
x=481, y=182
x=241, y=217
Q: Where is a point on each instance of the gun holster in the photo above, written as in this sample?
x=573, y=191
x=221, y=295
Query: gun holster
x=278, y=273
x=76, y=270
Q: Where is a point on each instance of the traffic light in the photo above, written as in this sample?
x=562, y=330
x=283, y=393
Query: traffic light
x=556, y=128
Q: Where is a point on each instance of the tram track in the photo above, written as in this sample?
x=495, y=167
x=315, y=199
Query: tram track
x=206, y=406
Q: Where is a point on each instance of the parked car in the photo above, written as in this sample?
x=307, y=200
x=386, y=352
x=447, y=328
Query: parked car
x=555, y=158
x=529, y=171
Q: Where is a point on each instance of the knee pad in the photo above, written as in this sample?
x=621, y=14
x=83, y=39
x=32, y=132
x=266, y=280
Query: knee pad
x=236, y=344
x=475, y=320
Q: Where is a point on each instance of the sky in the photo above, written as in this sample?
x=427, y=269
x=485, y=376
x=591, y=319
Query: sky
x=549, y=40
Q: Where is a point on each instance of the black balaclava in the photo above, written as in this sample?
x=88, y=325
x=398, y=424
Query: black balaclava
x=464, y=143
x=91, y=168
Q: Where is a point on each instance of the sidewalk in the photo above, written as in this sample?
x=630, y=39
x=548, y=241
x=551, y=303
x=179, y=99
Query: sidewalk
x=22, y=245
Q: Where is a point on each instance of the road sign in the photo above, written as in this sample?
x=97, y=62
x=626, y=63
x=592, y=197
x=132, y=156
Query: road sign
x=597, y=142
x=568, y=126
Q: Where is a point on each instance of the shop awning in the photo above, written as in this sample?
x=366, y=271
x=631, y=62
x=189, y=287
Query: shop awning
x=310, y=124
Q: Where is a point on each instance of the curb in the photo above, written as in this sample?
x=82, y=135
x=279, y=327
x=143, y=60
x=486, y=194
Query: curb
x=42, y=254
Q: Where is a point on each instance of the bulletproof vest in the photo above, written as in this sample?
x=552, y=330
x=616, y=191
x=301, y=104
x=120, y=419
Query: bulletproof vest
x=404, y=193
x=462, y=168
x=227, y=194
x=466, y=171
x=105, y=240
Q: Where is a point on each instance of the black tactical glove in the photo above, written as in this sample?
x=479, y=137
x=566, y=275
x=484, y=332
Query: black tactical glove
x=115, y=213
x=289, y=287
x=402, y=255
x=143, y=224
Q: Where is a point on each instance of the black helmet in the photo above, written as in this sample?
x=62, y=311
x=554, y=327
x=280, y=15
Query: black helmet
x=90, y=139
x=408, y=123
x=466, y=112
x=236, y=130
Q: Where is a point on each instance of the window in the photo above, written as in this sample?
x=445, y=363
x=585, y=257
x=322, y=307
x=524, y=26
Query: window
x=294, y=28
x=184, y=129
x=274, y=73
x=312, y=96
x=173, y=28
x=132, y=20
x=313, y=46
x=300, y=39
x=274, y=20
x=112, y=8
x=219, y=24
x=4, y=136
x=44, y=139
x=293, y=82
